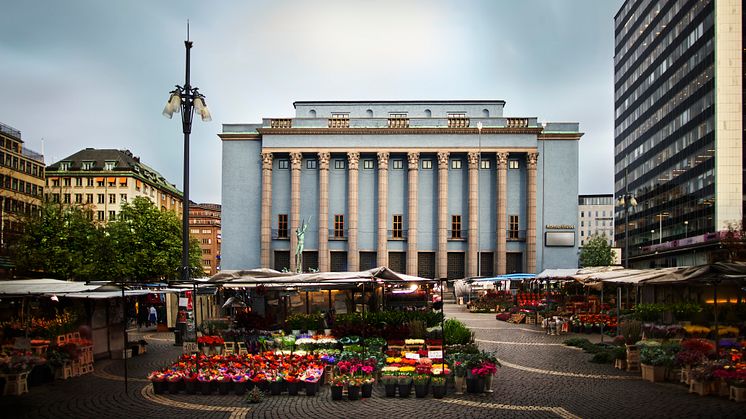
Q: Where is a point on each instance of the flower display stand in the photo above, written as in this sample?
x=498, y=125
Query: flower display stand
x=633, y=358
x=654, y=374
x=15, y=384
x=686, y=374
x=738, y=394
x=700, y=387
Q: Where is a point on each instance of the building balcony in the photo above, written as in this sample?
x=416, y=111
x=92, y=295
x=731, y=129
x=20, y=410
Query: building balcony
x=398, y=122
x=458, y=122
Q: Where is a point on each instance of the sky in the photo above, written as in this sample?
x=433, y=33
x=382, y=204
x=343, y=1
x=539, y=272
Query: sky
x=91, y=73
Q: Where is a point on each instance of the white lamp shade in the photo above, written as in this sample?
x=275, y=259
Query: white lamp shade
x=201, y=107
x=633, y=201
x=173, y=105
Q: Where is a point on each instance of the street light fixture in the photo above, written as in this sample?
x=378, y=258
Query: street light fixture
x=187, y=99
x=686, y=229
x=626, y=201
x=660, y=225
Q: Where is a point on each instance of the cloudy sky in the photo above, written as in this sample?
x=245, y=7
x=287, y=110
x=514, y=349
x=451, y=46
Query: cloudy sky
x=91, y=73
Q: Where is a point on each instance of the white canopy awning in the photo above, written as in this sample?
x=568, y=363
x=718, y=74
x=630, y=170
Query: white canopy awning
x=45, y=286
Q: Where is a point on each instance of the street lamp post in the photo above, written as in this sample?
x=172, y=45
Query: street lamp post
x=186, y=99
x=627, y=200
x=660, y=225
x=479, y=236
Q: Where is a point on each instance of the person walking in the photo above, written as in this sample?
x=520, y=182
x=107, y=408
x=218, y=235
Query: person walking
x=152, y=316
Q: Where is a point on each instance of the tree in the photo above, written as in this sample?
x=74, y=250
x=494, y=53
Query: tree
x=57, y=242
x=146, y=243
x=596, y=252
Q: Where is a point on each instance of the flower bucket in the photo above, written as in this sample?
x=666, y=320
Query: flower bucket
x=654, y=374
x=159, y=387
x=488, y=383
x=404, y=390
x=353, y=392
x=239, y=388
x=475, y=385
x=336, y=392
x=275, y=388
x=366, y=391
x=293, y=388
x=224, y=387
x=439, y=392
x=420, y=391
x=190, y=386
x=311, y=388
x=205, y=387
x=390, y=390
x=700, y=387
x=174, y=387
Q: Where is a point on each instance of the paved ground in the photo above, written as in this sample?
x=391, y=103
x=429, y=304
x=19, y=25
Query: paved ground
x=540, y=378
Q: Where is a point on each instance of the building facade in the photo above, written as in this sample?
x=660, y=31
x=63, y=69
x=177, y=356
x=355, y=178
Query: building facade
x=105, y=179
x=204, y=225
x=21, y=184
x=679, y=127
x=596, y=217
x=401, y=184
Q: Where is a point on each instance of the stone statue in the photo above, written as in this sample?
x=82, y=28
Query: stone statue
x=300, y=233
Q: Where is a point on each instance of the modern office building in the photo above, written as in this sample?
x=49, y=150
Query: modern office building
x=21, y=184
x=596, y=217
x=679, y=128
x=431, y=188
x=104, y=179
x=204, y=225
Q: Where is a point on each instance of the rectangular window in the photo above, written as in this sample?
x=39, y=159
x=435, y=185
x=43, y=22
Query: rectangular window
x=282, y=226
x=368, y=164
x=455, y=164
x=485, y=164
x=397, y=164
x=122, y=182
x=513, y=227
x=206, y=251
x=339, y=226
x=55, y=183
x=86, y=165
x=513, y=164
x=109, y=165
x=100, y=182
x=427, y=164
x=101, y=198
x=207, y=262
x=78, y=198
x=123, y=198
x=112, y=182
x=89, y=198
x=311, y=164
x=112, y=198
x=101, y=215
x=339, y=164
x=112, y=215
x=456, y=225
x=89, y=181
x=397, y=228
x=78, y=181
x=282, y=164
x=67, y=181
x=66, y=197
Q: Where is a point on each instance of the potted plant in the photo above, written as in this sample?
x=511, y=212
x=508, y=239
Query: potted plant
x=654, y=359
x=421, y=382
x=366, y=390
x=158, y=379
x=174, y=382
x=275, y=384
x=190, y=382
x=459, y=372
x=239, y=384
x=292, y=384
x=438, y=384
x=205, y=383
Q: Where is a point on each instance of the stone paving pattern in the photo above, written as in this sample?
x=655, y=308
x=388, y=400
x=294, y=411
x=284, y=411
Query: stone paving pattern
x=541, y=379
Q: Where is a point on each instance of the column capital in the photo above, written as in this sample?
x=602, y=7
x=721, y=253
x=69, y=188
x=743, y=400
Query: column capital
x=531, y=159
x=443, y=159
x=473, y=158
x=266, y=161
x=295, y=160
x=324, y=158
x=383, y=160
x=414, y=160
x=502, y=159
x=353, y=158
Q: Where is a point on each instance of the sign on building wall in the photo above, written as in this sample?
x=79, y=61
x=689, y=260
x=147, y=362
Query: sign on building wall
x=559, y=239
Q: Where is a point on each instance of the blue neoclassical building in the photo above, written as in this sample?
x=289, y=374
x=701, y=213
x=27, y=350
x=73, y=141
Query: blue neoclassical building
x=431, y=188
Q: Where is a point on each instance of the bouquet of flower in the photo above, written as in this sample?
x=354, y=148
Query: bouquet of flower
x=485, y=369
x=420, y=379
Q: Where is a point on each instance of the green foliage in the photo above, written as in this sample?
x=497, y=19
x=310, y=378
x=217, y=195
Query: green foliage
x=662, y=355
x=649, y=312
x=143, y=244
x=596, y=252
x=456, y=333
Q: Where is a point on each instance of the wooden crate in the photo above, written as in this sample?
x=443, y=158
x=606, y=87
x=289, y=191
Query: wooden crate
x=86, y=368
x=15, y=384
x=738, y=394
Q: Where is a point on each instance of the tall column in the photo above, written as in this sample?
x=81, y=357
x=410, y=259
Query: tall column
x=266, y=228
x=295, y=162
x=442, y=254
x=324, y=211
x=531, y=159
x=472, y=257
x=412, y=178
x=353, y=256
x=501, y=248
x=382, y=253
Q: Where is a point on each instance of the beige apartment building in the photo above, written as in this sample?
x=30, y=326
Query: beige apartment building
x=204, y=225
